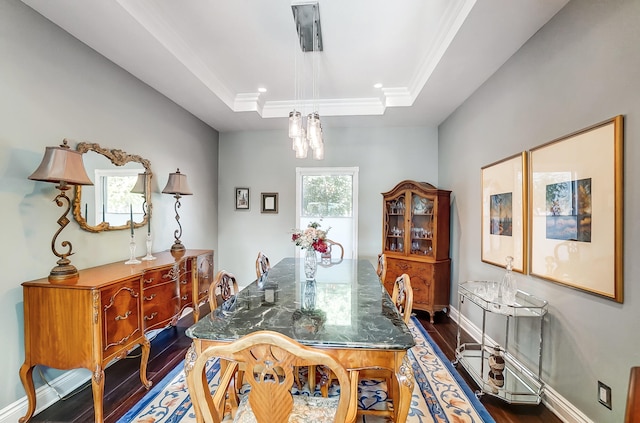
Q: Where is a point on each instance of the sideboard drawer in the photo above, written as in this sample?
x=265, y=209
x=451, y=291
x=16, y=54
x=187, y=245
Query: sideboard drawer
x=186, y=288
x=160, y=305
x=159, y=276
x=120, y=315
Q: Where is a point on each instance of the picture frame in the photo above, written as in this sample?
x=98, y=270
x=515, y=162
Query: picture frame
x=269, y=202
x=576, y=210
x=242, y=198
x=504, y=212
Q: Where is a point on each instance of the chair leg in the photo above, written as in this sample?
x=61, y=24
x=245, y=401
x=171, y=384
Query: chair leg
x=296, y=378
x=325, y=381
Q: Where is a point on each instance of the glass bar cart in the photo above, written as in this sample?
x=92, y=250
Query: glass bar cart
x=521, y=385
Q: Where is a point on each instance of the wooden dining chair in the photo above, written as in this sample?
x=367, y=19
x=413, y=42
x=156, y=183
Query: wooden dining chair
x=382, y=267
x=223, y=288
x=632, y=412
x=326, y=258
x=262, y=265
x=402, y=296
x=269, y=358
x=331, y=244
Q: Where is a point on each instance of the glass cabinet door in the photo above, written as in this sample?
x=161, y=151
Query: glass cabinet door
x=422, y=225
x=395, y=224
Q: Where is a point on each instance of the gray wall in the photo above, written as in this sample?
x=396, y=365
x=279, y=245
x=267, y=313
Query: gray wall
x=583, y=67
x=55, y=87
x=264, y=162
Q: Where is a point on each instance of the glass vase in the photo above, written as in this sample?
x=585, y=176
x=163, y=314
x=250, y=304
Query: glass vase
x=310, y=263
x=508, y=287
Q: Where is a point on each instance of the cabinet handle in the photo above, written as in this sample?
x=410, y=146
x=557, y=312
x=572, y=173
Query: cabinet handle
x=150, y=297
x=184, y=297
x=183, y=282
x=147, y=281
x=127, y=314
x=153, y=315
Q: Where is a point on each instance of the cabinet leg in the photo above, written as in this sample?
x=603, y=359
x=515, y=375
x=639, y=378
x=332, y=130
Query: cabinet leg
x=26, y=376
x=146, y=348
x=97, y=386
x=196, y=311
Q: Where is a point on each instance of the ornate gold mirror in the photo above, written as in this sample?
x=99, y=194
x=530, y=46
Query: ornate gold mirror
x=121, y=190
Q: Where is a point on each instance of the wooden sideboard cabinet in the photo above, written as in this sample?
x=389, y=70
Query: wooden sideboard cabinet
x=415, y=241
x=106, y=314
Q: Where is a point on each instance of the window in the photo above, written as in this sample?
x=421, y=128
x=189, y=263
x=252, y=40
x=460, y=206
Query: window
x=329, y=196
x=114, y=198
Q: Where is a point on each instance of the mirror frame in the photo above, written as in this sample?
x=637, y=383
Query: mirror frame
x=118, y=158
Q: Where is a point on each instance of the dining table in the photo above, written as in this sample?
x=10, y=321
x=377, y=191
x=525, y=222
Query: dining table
x=344, y=311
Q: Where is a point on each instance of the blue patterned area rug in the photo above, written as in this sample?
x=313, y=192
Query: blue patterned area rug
x=440, y=394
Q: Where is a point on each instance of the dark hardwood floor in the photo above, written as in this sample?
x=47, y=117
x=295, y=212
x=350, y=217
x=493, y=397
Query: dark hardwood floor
x=123, y=387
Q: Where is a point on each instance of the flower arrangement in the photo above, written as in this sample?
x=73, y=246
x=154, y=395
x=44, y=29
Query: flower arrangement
x=311, y=237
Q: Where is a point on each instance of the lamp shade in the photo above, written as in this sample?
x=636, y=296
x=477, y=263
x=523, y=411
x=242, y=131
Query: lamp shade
x=177, y=184
x=61, y=164
x=139, y=187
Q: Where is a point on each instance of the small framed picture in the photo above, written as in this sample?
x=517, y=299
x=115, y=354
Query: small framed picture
x=269, y=203
x=242, y=198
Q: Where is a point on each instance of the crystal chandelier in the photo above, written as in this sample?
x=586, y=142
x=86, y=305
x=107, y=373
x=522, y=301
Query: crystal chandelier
x=306, y=132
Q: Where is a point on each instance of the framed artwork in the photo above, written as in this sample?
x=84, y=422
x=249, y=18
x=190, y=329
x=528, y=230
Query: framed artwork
x=576, y=210
x=269, y=203
x=242, y=198
x=504, y=212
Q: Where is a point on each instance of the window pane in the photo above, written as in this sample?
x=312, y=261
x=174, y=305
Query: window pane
x=118, y=195
x=327, y=196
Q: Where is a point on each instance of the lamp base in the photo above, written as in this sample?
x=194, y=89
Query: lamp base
x=177, y=246
x=178, y=250
x=65, y=274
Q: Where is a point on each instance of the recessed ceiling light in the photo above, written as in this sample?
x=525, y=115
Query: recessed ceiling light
x=378, y=85
x=262, y=90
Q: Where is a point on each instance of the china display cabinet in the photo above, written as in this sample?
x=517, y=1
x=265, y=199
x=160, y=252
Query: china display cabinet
x=513, y=380
x=415, y=240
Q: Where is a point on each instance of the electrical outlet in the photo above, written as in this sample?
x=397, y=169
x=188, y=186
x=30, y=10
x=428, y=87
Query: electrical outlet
x=604, y=395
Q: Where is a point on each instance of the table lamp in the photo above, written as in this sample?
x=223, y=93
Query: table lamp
x=141, y=188
x=177, y=185
x=65, y=167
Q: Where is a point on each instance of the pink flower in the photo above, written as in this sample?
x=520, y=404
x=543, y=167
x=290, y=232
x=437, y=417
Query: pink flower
x=311, y=237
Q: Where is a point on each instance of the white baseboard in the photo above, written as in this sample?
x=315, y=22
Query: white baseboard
x=555, y=402
x=46, y=395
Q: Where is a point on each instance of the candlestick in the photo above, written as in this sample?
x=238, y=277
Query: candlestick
x=103, y=219
x=148, y=256
x=131, y=218
x=86, y=214
x=148, y=221
x=132, y=251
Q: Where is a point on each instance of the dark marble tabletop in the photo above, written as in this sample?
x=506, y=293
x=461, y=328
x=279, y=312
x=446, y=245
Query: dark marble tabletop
x=345, y=307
